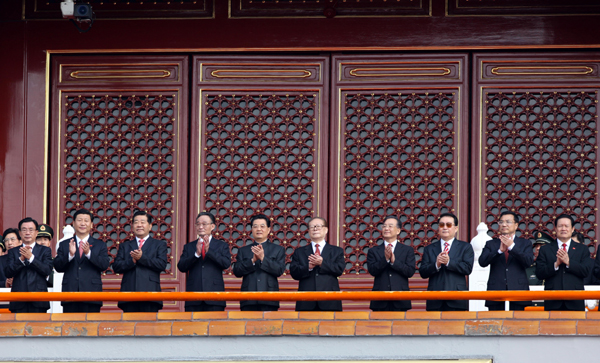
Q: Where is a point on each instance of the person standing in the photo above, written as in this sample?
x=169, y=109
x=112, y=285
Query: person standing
x=82, y=259
x=447, y=263
x=509, y=257
x=259, y=265
x=563, y=265
x=317, y=267
x=204, y=261
x=392, y=264
x=29, y=266
x=141, y=260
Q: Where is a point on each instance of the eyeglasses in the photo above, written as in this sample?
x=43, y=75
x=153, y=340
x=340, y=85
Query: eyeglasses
x=30, y=230
x=256, y=226
x=448, y=225
x=505, y=223
x=11, y=239
x=316, y=227
x=389, y=226
x=203, y=224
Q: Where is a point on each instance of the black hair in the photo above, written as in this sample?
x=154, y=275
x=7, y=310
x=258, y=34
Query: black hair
x=209, y=215
x=509, y=213
x=580, y=237
x=449, y=215
x=143, y=213
x=9, y=231
x=27, y=220
x=394, y=218
x=565, y=216
x=320, y=218
x=83, y=211
x=259, y=216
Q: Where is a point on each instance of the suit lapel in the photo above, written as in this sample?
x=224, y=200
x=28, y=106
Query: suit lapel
x=453, y=249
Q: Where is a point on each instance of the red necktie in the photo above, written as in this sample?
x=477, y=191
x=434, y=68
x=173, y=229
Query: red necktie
x=80, y=249
x=564, y=247
x=141, y=244
x=318, y=253
x=204, y=241
x=446, y=245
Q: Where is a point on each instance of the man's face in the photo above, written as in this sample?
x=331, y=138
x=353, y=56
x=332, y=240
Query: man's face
x=44, y=241
x=317, y=230
x=447, y=230
x=564, y=229
x=28, y=232
x=536, y=250
x=83, y=225
x=12, y=241
x=507, y=225
x=204, y=226
x=390, y=230
x=141, y=227
x=260, y=231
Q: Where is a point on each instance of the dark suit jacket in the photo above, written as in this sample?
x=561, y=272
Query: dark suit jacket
x=564, y=278
x=3, y=262
x=81, y=273
x=29, y=277
x=321, y=278
x=144, y=275
x=391, y=277
x=205, y=274
x=449, y=278
x=507, y=275
x=262, y=275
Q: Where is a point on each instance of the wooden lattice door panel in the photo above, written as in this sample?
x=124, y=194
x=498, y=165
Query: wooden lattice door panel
x=119, y=149
x=537, y=133
x=398, y=128
x=258, y=141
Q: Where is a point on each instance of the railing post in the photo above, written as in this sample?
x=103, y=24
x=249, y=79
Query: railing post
x=55, y=306
x=479, y=277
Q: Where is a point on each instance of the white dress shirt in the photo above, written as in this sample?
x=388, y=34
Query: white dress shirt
x=78, y=240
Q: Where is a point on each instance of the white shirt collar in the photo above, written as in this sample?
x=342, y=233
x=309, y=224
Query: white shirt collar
x=385, y=243
x=449, y=243
x=321, y=245
x=560, y=244
x=145, y=239
x=79, y=239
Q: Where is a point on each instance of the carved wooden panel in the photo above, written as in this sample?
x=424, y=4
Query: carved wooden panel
x=539, y=146
x=522, y=7
x=119, y=150
x=259, y=133
x=400, y=148
x=130, y=9
x=328, y=8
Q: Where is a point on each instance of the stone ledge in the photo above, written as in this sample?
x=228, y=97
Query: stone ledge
x=364, y=323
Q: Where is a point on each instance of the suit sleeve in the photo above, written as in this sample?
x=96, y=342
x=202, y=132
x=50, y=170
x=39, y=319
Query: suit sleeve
x=544, y=265
x=274, y=265
x=99, y=256
x=465, y=264
x=188, y=258
x=42, y=264
x=581, y=267
x=219, y=254
x=334, y=266
x=157, y=261
x=243, y=265
x=597, y=266
x=375, y=264
x=405, y=267
x=488, y=255
x=427, y=268
x=14, y=264
x=123, y=262
x=2, y=275
x=523, y=252
x=299, y=265
x=61, y=261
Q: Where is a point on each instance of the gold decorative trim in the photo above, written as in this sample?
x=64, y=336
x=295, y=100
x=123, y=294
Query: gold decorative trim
x=444, y=71
x=221, y=73
x=583, y=70
x=159, y=73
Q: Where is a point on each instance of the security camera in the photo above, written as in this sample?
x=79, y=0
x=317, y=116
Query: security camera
x=82, y=13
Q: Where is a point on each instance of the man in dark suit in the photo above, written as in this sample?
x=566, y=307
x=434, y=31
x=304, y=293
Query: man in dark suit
x=29, y=265
x=392, y=264
x=82, y=259
x=509, y=257
x=260, y=264
x=12, y=239
x=141, y=260
x=317, y=266
x=447, y=263
x=563, y=265
x=204, y=260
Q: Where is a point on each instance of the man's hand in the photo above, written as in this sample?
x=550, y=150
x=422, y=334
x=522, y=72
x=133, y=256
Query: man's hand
x=199, y=247
x=72, y=247
x=506, y=242
x=389, y=254
x=562, y=257
x=26, y=253
x=442, y=259
x=314, y=260
x=85, y=246
x=136, y=255
x=259, y=253
x=9, y=282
